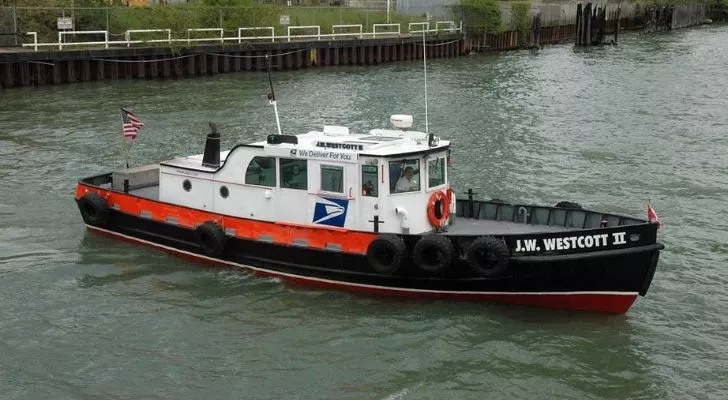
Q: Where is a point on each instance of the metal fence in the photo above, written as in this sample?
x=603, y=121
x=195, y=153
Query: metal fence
x=16, y=21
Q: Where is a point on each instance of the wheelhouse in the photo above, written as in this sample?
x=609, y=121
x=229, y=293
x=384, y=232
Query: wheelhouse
x=381, y=181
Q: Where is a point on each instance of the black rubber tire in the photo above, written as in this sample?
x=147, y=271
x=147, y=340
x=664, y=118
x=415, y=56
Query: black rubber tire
x=433, y=253
x=211, y=238
x=569, y=204
x=488, y=256
x=386, y=253
x=93, y=209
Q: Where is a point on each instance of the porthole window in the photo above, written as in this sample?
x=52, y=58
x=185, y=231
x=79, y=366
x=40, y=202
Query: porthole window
x=224, y=192
x=187, y=185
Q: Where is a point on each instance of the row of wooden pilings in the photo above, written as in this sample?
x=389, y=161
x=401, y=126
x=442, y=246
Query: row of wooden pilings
x=54, y=67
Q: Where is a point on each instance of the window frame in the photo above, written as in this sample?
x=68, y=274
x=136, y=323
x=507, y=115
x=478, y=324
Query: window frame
x=393, y=187
x=376, y=180
x=441, y=159
x=321, y=178
x=304, y=172
x=275, y=172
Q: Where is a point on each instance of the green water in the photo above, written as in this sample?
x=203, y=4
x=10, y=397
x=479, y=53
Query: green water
x=85, y=317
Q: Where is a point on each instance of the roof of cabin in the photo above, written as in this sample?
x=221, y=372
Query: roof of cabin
x=378, y=142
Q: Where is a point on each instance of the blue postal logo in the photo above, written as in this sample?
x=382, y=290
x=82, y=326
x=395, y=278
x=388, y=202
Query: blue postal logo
x=330, y=212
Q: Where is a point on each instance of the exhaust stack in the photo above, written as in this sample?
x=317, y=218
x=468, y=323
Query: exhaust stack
x=211, y=157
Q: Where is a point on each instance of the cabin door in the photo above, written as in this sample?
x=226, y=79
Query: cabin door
x=294, y=184
x=369, y=204
x=332, y=195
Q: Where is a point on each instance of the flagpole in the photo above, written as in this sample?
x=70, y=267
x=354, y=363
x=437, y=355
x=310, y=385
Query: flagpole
x=124, y=148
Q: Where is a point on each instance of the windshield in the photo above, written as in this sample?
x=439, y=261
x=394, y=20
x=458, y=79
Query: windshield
x=404, y=175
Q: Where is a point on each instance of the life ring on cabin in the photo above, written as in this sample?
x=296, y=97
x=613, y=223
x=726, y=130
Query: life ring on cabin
x=93, y=209
x=433, y=253
x=211, y=238
x=488, y=256
x=386, y=253
x=438, y=209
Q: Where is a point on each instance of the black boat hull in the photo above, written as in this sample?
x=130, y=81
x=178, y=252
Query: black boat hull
x=604, y=281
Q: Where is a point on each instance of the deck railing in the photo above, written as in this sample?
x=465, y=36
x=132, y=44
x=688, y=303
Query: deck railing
x=381, y=30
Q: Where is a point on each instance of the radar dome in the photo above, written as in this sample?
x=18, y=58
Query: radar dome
x=400, y=121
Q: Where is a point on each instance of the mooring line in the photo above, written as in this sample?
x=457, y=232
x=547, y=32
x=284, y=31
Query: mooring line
x=263, y=56
x=193, y=55
x=438, y=44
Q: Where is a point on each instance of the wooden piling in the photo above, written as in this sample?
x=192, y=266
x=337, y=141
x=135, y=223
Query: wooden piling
x=619, y=20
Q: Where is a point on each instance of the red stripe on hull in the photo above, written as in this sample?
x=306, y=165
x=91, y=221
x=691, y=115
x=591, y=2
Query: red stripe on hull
x=608, y=302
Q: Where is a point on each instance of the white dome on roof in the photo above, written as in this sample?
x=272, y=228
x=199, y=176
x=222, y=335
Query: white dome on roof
x=401, y=121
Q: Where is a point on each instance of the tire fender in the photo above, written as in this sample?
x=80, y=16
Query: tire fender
x=488, y=256
x=211, y=238
x=386, y=253
x=93, y=209
x=433, y=253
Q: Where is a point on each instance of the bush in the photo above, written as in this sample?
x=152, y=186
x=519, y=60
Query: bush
x=521, y=20
x=478, y=16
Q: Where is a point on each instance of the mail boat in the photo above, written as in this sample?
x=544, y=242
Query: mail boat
x=372, y=213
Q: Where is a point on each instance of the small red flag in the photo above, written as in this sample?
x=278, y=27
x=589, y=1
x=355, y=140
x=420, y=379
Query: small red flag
x=652, y=215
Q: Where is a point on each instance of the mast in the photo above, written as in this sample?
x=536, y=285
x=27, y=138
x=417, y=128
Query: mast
x=272, y=96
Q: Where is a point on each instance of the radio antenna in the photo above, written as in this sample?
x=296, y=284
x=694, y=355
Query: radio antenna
x=424, y=63
x=272, y=96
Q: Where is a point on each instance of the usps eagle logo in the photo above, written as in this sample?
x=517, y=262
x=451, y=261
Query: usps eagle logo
x=330, y=212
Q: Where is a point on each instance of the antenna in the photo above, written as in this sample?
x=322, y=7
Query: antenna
x=272, y=96
x=424, y=62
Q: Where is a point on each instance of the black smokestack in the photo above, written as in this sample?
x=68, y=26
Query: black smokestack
x=211, y=158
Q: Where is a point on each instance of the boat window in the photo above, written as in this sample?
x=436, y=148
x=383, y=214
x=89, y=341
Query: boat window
x=332, y=178
x=436, y=172
x=294, y=173
x=404, y=175
x=370, y=186
x=261, y=171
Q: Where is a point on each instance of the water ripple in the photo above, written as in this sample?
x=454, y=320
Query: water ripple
x=87, y=317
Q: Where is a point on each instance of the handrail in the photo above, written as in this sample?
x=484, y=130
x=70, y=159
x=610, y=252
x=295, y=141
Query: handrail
x=425, y=27
x=451, y=24
x=127, y=34
x=374, y=29
x=61, y=33
x=317, y=35
x=222, y=34
x=257, y=28
x=358, y=31
x=35, y=39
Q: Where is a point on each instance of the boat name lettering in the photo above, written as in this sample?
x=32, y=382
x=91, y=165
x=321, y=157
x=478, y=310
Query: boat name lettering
x=343, y=146
x=185, y=172
x=571, y=242
x=328, y=155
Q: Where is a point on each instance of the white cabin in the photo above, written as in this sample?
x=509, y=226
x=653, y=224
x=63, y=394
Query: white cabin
x=331, y=178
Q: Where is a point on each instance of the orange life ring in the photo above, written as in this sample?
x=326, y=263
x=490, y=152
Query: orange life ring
x=432, y=209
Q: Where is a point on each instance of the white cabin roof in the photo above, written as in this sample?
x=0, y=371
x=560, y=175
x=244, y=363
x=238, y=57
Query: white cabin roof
x=377, y=142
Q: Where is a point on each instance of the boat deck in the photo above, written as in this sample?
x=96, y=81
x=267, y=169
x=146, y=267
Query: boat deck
x=468, y=226
x=462, y=226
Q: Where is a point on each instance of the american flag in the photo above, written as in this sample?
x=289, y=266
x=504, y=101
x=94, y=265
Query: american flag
x=652, y=215
x=130, y=124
